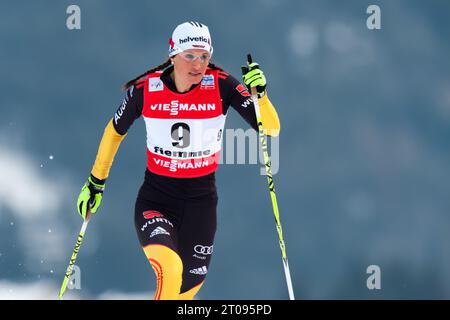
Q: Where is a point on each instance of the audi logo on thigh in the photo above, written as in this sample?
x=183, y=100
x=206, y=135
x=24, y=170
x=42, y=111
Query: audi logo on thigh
x=205, y=250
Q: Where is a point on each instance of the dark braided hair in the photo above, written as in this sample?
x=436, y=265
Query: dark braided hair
x=213, y=66
x=158, y=68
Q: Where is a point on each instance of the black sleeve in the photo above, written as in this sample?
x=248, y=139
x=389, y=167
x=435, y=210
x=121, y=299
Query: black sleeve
x=129, y=110
x=236, y=94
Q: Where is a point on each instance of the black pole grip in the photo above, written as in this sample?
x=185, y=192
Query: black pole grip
x=249, y=58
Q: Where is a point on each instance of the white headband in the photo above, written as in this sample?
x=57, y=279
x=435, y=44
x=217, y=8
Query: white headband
x=190, y=35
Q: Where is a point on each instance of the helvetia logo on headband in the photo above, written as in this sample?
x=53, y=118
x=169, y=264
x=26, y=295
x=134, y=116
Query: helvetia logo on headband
x=197, y=39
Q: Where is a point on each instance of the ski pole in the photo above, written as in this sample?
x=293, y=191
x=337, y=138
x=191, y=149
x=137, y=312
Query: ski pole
x=75, y=253
x=273, y=195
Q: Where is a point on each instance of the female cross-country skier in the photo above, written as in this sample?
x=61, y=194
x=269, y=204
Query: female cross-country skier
x=184, y=103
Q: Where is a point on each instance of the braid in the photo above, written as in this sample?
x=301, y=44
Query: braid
x=160, y=67
x=213, y=66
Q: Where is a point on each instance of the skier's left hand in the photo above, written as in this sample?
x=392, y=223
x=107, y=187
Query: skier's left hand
x=253, y=76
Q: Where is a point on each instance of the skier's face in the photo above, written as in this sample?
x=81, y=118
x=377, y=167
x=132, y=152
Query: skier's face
x=190, y=65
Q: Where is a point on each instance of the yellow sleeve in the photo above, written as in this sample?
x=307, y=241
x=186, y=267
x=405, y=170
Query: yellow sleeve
x=106, y=151
x=270, y=120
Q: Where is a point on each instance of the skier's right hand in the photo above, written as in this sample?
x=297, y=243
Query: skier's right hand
x=91, y=195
